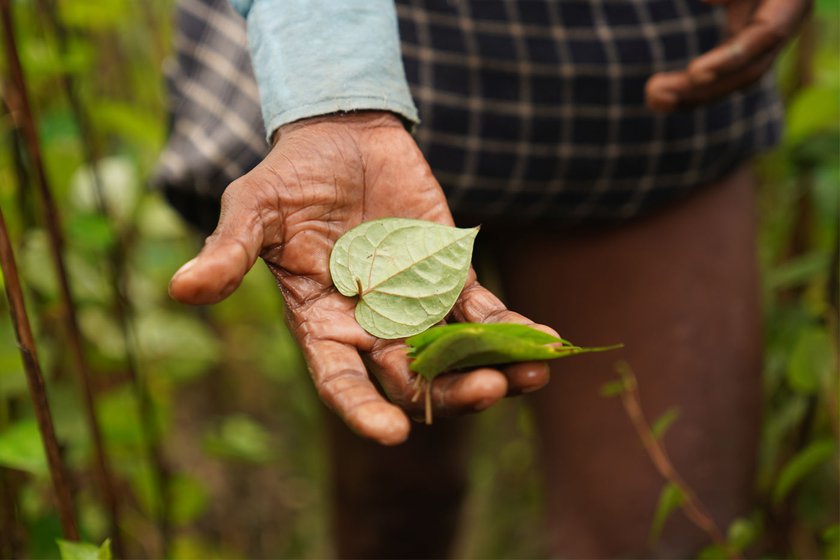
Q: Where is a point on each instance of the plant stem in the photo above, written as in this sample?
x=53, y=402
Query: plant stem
x=23, y=117
x=115, y=265
x=692, y=506
x=37, y=388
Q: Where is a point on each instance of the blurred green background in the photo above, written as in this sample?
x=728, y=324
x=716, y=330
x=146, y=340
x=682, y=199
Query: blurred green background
x=238, y=422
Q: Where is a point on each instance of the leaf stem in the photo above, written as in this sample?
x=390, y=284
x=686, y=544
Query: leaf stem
x=428, y=403
x=692, y=506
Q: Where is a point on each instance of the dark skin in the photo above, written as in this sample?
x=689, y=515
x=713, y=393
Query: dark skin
x=323, y=177
x=326, y=175
x=758, y=30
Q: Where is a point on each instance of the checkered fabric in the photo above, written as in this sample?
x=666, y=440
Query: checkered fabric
x=216, y=129
x=531, y=109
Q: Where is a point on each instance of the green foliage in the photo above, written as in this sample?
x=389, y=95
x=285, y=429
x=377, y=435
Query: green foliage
x=21, y=447
x=84, y=551
x=241, y=438
x=407, y=273
x=237, y=411
x=463, y=345
x=671, y=498
x=802, y=464
x=661, y=425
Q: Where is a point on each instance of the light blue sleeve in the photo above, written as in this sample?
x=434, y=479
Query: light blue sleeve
x=313, y=57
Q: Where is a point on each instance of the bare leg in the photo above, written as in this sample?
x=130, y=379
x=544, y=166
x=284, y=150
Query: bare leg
x=398, y=502
x=679, y=288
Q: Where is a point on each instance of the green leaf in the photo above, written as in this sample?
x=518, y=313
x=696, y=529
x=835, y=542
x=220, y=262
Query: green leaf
x=420, y=342
x=407, y=273
x=831, y=541
x=240, y=437
x=743, y=532
x=670, y=499
x=84, y=551
x=21, y=447
x=449, y=347
x=612, y=389
x=712, y=552
x=802, y=464
x=811, y=361
x=814, y=109
x=664, y=422
x=90, y=231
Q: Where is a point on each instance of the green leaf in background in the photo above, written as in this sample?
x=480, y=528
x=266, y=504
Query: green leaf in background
x=815, y=109
x=120, y=185
x=812, y=360
x=84, y=551
x=713, y=552
x=670, y=499
x=817, y=453
x=407, y=273
x=831, y=542
x=21, y=447
x=239, y=437
x=449, y=347
x=90, y=232
x=743, y=532
x=188, y=496
x=664, y=422
x=612, y=388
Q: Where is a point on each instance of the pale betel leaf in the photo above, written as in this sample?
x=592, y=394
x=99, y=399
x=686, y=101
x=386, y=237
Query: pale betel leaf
x=407, y=273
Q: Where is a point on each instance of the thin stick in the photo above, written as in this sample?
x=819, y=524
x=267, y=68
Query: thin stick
x=428, y=403
x=18, y=102
x=37, y=389
x=115, y=265
x=692, y=506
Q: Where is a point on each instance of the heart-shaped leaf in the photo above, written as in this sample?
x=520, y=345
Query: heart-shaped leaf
x=407, y=273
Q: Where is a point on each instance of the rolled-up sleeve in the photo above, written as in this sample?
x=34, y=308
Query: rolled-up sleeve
x=314, y=57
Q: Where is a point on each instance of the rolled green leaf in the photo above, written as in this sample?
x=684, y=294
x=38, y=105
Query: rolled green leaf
x=462, y=345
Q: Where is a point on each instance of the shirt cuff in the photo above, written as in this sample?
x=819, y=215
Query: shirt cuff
x=314, y=57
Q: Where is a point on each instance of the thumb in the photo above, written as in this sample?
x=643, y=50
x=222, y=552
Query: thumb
x=228, y=254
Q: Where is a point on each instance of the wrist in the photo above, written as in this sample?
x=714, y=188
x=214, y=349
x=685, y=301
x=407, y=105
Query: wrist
x=355, y=120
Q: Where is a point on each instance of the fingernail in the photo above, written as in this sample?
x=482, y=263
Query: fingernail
x=185, y=268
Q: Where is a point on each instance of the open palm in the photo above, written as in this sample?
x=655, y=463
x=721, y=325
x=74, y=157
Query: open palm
x=323, y=177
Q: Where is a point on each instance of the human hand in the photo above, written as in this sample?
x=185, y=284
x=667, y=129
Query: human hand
x=323, y=177
x=758, y=29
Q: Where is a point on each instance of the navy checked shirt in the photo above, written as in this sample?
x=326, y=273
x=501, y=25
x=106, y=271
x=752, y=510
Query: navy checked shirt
x=531, y=110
